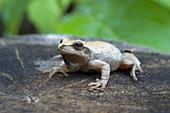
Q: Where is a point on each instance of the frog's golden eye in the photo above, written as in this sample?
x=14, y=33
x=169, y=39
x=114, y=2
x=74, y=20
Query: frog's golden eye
x=78, y=45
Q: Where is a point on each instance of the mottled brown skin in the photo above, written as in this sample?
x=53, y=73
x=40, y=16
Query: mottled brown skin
x=94, y=55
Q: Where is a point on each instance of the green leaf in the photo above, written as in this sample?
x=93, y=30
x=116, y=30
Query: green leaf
x=164, y=3
x=12, y=14
x=90, y=19
x=44, y=14
x=145, y=23
x=135, y=21
x=84, y=25
x=63, y=4
x=2, y=3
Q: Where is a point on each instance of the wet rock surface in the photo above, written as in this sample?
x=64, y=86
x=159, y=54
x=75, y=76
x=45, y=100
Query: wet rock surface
x=23, y=88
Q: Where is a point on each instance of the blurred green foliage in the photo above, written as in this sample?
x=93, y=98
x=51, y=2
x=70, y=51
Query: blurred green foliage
x=2, y=93
x=144, y=22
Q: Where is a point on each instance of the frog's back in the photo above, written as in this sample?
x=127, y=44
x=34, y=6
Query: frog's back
x=105, y=52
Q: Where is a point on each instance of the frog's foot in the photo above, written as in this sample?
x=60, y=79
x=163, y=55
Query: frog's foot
x=55, y=70
x=129, y=60
x=139, y=68
x=134, y=68
x=98, y=85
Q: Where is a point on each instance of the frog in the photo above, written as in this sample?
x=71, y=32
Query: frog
x=98, y=56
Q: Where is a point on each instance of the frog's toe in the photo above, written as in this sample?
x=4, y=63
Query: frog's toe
x=46, y=71
x=138, y=67
x=52, y=72
x=99, y=85
x=91, y=88
x=132, y=73
x=102, y=89
x=92, y=84
x=141, y=71
x=50, y=75
x=49, y=71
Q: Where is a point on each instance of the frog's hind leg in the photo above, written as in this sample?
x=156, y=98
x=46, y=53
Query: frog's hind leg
x=129, y=60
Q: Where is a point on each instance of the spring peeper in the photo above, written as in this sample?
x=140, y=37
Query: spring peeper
x=94, y=55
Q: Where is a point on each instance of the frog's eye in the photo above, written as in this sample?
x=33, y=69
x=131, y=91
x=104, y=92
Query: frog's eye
x=61, y=40
x=78, y=45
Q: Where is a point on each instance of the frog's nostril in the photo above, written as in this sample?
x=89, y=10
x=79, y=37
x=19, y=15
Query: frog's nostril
x=61, y=40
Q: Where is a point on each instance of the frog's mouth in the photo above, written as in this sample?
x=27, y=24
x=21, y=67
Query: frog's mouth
x=69, y=50
x=64, y=49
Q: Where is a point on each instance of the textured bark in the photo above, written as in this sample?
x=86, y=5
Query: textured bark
x=23, y=57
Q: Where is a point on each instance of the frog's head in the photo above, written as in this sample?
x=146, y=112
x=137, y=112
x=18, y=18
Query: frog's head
x=73, y=47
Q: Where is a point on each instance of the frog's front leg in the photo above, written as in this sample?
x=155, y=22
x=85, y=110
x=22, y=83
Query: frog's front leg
x=129, y=60
x=105, y=71
x=63, y=69
x=56, y=57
